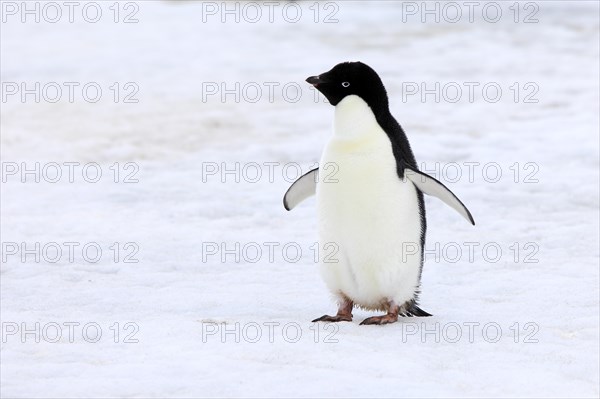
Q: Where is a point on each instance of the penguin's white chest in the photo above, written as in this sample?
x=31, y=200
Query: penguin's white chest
x=367, y=212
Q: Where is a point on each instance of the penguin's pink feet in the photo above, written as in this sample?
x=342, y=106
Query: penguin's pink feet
x=377, y=320
x=344, y=313
x=390, y=317
x=334, y=319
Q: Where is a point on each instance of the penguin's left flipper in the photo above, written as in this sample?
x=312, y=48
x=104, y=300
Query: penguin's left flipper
x=301, y=189
x=431, y=186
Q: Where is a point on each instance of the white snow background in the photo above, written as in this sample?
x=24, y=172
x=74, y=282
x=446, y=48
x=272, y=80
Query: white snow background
x=176, y=296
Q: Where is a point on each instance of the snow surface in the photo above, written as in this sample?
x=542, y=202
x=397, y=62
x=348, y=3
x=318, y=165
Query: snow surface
x=176, y=298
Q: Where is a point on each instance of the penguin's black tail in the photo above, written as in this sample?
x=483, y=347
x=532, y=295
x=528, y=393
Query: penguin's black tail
x=418, y=312
x=415, y=311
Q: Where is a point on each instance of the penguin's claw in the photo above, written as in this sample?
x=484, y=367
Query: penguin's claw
x=333, y=319
x=378, y=320
x=344, y=312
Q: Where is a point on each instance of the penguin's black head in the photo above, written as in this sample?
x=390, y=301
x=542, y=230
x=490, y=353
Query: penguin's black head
x=350, y=78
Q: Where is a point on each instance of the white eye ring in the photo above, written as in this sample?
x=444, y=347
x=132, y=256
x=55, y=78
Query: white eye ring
x=345, y=84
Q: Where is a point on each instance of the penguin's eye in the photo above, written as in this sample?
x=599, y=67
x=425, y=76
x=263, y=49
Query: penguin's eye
x=345, y=84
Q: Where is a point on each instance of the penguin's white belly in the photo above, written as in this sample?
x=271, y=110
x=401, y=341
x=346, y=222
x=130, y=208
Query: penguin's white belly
x=370, y=215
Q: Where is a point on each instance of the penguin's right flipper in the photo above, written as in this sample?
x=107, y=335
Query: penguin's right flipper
x=301, y=189
x=431, y=186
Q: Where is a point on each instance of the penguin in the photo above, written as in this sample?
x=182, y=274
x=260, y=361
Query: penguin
x=370, y=205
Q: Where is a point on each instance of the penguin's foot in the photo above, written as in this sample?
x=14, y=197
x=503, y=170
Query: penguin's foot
x=390, y=317
x=344, y=313
x=377, y=320
x=334, y=319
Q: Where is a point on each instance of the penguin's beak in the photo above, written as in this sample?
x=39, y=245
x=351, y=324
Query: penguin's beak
x=315, y=80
